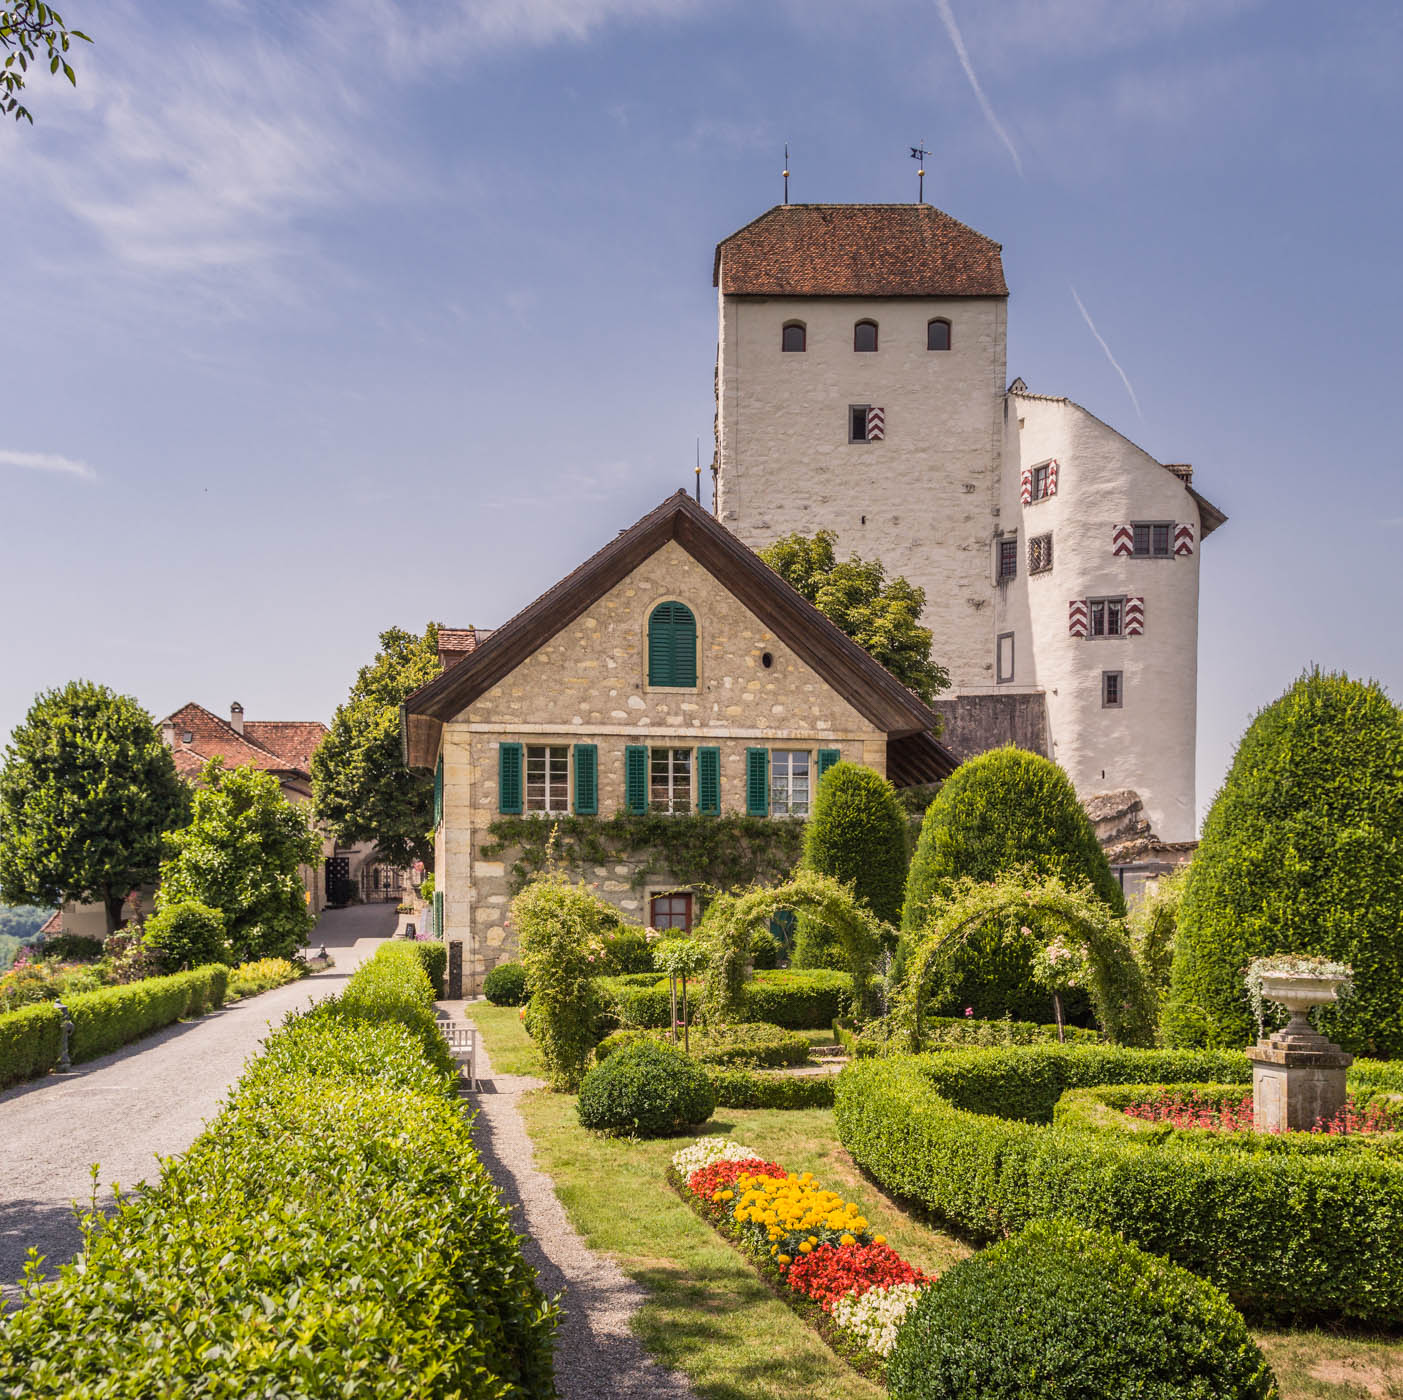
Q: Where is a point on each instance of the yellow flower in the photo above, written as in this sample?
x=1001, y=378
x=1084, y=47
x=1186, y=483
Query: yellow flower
x=784, y=1259
x=806, y=1248
x=847, y=1239
x=728, y=1195
x=879, y=1239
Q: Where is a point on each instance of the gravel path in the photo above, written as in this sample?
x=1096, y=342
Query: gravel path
x=596, y=1356
x=151, y=1097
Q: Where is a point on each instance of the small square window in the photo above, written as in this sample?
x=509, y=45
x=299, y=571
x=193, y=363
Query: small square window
x=1039, y=554
x=670, y=911
x=1008, y=557
x=1004, y=658
x=1041, y=481
x=1111, y=690
x=857, y=422
x=1107, y=616
x=1153, y=539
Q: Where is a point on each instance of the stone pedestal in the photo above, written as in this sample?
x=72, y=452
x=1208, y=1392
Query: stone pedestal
x=1298, y=1078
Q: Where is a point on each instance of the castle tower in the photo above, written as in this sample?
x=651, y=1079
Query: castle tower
x=860, y=388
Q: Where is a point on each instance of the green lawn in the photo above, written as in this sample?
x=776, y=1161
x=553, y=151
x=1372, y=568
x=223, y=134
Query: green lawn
x=711, y=1317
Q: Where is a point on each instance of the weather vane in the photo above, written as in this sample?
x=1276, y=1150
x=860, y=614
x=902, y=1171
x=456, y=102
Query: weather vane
x=786, y=172
x=917, y=153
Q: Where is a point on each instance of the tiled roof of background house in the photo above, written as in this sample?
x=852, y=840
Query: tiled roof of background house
x=454, y=643
x=275, y=746
x=295, y=740
x=858, y=250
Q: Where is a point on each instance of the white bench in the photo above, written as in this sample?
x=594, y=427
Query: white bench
x=462, y=1041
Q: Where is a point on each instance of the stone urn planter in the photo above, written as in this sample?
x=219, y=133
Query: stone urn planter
x=1298, y=1076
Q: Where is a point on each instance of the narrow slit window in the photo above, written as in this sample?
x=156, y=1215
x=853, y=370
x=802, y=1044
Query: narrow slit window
x=857, y=422
x=1008, y=558
x=1111, y=690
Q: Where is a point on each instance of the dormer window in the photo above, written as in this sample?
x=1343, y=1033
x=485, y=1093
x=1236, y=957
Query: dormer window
x=793, y=337
x=865, y=335
x=938, y=334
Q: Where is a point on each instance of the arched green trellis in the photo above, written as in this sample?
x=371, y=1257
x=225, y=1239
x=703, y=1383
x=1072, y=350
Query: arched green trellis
x=731, y=922
x=1123, y=1002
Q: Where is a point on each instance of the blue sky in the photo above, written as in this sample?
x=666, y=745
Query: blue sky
x=327, y=317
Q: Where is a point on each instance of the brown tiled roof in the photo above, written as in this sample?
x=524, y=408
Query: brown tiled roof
x=858, y=250
x=295, y=740
x=275, y=746
x=454, y=643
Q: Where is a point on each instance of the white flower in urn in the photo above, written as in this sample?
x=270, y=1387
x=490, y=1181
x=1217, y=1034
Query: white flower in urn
x=1296, y=982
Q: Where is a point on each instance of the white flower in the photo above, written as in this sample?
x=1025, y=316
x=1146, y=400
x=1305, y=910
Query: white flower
x=875, y=1317
x=706, y=1151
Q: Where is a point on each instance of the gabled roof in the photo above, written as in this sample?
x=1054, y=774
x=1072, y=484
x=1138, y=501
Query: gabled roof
x=865, y=684
x=1210, y=516
x=274, y=746
x=454, y=643
x=858, y=250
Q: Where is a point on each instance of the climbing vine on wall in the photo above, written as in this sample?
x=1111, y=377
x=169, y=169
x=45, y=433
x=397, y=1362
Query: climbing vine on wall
x=722, y=852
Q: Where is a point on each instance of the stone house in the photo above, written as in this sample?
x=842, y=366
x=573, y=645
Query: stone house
x=673, y=672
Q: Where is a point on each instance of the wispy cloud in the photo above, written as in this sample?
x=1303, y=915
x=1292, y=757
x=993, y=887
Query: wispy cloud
x=1091, y=326
x=947, y=18
x=47, y=462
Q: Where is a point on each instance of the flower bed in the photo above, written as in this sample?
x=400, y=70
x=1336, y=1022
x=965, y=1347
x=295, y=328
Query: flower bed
x=1190, y=1108
x=814, y=1248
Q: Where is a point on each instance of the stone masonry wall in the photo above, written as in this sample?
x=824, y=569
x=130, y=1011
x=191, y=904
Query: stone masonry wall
x=588, y=685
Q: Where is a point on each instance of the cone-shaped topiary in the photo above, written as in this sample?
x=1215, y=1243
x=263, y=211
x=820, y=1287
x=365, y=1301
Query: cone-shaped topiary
x=857, y=834
x=1302, y=852
x=1005, y=809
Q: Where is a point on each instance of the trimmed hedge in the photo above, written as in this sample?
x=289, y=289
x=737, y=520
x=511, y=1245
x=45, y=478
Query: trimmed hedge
x=434, y=957
x=29, y=1042
x=755, y=1046
x=881, y=1038
x=798, y=1000
x=741, y=1088
x=1302, y=852
x=961, y=1133
x=505, y=985
x=106, y=1020
x=646, y=1089
x=252, y=978
x=1078, y=1314
x=333, y=1232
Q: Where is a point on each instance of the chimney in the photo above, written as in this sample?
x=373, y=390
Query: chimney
x=236, y=717
x=168, y=734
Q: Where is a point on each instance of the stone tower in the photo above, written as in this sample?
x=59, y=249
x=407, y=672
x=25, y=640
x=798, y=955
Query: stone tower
x=860, y=388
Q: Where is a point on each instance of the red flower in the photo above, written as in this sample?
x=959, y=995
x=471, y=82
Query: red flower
x=720, y=1175
x=833, y=1270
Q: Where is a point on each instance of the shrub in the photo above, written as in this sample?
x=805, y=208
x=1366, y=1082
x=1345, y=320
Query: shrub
x=1080, y=1314
x=626, y=952
x=756, y=1045
x=800, y=1000
x=857, y=834
x=433, y=956
x=250, y=978
x=106, y=1020
x=1153, y=922
x=646, y=1090
x=765, y=951
x=29, y=1042
x=334, y=1223
x=1004, y=810
x=561, y=927
x=186, y=933
x=1302, y=852
x=885, y=1037
x=69, y=947
x=743, y=1088
x=962, y=1133
x=505, y=985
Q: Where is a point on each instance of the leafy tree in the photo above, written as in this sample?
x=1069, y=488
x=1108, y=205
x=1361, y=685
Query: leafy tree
x=1302, y=852
x=1005, y=810
x=240, y=855
x=86, y=792
x=883, y=617
x=857, y=834
x=362, y=789
x=32, y=31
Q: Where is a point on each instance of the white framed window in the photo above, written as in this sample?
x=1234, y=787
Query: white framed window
x=1152, y=539
x=670, y=780
x=789, y=782
x=1106, y=617
x=547, y=778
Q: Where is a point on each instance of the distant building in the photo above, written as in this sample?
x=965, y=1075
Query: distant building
x=861, y=388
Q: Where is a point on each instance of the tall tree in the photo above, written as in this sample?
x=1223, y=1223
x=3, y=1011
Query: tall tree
x=32, y=31
x=240, y=855
x=882, y=616
x=363, y=791
x=86, y=792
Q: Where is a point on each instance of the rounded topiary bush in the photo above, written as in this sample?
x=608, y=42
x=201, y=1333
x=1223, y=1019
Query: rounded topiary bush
x=505, y=985
x=1302, y=852
x=646, y=1090
x=187, y=934
x=1080, y=1314
x=1003, y=810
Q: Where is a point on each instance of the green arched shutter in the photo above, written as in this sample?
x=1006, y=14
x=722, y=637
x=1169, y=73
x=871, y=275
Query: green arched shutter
x=672, y=645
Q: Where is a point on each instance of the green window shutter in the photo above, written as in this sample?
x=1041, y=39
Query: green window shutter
x=636, y=778
x=757, y=782
x=672, y=645
x=438, y=913
x=826, y=759
x=509, y=778
x=709, y=782
x=438, y=792
x=586, y=780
